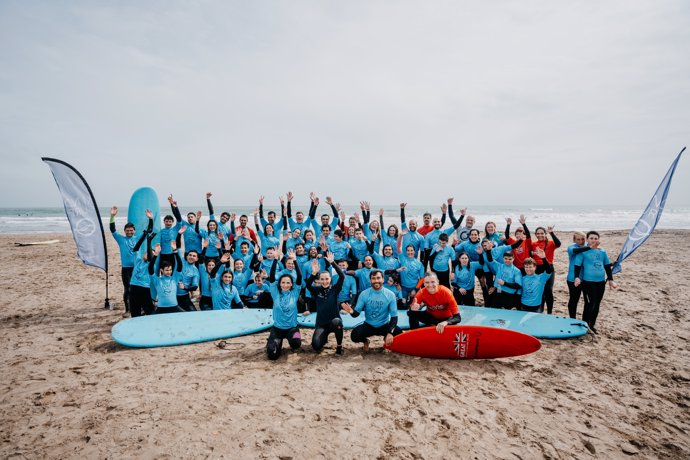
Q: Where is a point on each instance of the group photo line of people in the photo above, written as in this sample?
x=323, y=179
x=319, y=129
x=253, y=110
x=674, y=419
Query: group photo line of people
x=296, y=264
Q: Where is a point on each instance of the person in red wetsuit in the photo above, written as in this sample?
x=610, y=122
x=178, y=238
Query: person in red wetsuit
x=441, y=307
x=524, y=250
x=428, y=226
x=549, y=246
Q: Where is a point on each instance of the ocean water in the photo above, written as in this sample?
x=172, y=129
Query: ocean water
x=566, y=218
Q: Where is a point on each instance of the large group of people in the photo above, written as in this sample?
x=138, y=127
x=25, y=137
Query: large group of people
x=297, y=264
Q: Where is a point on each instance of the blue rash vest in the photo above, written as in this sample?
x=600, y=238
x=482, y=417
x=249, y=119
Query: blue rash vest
x=253, y=290
x=268, y=242
x=442, y=258
x=126, y=245
x=394, y=289
x=240, y=279
x=377, y=242
x=224, y=295
x=349, y=289
x=305, y=225
x=379, y=306
x=414, y=271
x=386, y=263
x=533, y=288
x=431, y=238
x=573, y=260
x=192, y=240
x=245, y=258
x=189, y=277
x=339, y=249
x=168, y=235
x=362, y=276
x=464, y=276
x=359, y=249
x=284, y=306
x=593, y=262
x=508, y=273
x=164, y=288
x=140, y=273
x=470, y=248
x=412, y=238
x=211, y=250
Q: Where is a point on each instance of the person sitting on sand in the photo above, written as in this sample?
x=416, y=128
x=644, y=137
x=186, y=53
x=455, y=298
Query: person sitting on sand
x=381, y=310
x=441, y=307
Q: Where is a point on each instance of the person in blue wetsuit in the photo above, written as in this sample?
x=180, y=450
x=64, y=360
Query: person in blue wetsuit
x=272, y=215
x=359, y=246
x=192, y=239
x=464, y=279
x=267, y=236
x=387, y=262
x=409, y=234
x=533, y=283
x=189, y=276
x=285, y=293
x=381, y=310
x=338, y=247
x=206, y=267
x=411, y=273
x=491, y=234
x=299, y=222
x=432, y=237
x=168, y=234
x=594, y=272
x=257, y=294
x=165, y=277
x=325, y=296
x=362, y=275
x=126, y=244
x=470, y=246
x=390, y=237
x=441, y=258
x=225, y=295
x=325, y=218
x=486, y=280
x=507, y=282
x=140, y=286
x=574, y=259
x=348, y=293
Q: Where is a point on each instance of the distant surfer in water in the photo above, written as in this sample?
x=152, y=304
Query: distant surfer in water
x=381, y=308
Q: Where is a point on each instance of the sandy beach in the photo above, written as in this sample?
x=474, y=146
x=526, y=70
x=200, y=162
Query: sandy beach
x=69, y=391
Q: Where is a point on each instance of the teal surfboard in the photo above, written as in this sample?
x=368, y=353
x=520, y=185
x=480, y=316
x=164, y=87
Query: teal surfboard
x=537, y=325
x=349, y=322
x=190, y=327
x=142, y=199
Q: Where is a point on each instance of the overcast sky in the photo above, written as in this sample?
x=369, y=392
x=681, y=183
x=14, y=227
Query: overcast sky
x=535, y=102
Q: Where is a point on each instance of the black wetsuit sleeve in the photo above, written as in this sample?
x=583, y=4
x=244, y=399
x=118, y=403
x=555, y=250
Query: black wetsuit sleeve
x=254, y=263
x=381, y=222
x=455, y=319
x=261, y=210
x=285, y=223
x=176, y=212
x=451, y=215
x=516, y=244
x=512, y=285
x=282, y=210
x=365, y=216
x=152, y=264
x=289, y=210
x=432, y=257
x=402, y=215
x=335, y=211
x=548, y=268
x=196, y=226
x=481, y=258
x=210, y=206
x=214, y=271
x=140, y=242
x=457, y=223
x=556, y=241
x=178, y=240
x=341, y=278
x=178, y=262
x=609, y=272
x=299, y=274
x=312, y=210
x=392, y=324
x=489, y=256
x=507, y=232
x=443, y=219
x=310, y=284
x=527, y=234
x=354, y=313
x=272, y=274
x=202, y=256
x=370, y=246
x=112, y=227
x=577, y=251
x=578, y=269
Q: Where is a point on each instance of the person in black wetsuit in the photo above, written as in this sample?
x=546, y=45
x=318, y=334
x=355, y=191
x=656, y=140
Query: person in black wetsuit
x=327, y=306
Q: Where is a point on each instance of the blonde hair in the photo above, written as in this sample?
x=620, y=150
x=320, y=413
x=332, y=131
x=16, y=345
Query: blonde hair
x=580, y=234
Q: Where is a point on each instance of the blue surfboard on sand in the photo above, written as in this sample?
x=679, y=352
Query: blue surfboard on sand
x=142, y=199
x=537, y=325
x=190, y=327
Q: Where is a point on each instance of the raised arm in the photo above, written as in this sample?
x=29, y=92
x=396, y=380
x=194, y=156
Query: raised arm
x=208, y=203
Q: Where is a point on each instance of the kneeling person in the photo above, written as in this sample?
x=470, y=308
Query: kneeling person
x=381, y=310
x=441, y=307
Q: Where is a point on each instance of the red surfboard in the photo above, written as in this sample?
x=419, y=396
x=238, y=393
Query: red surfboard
x=464, y=342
